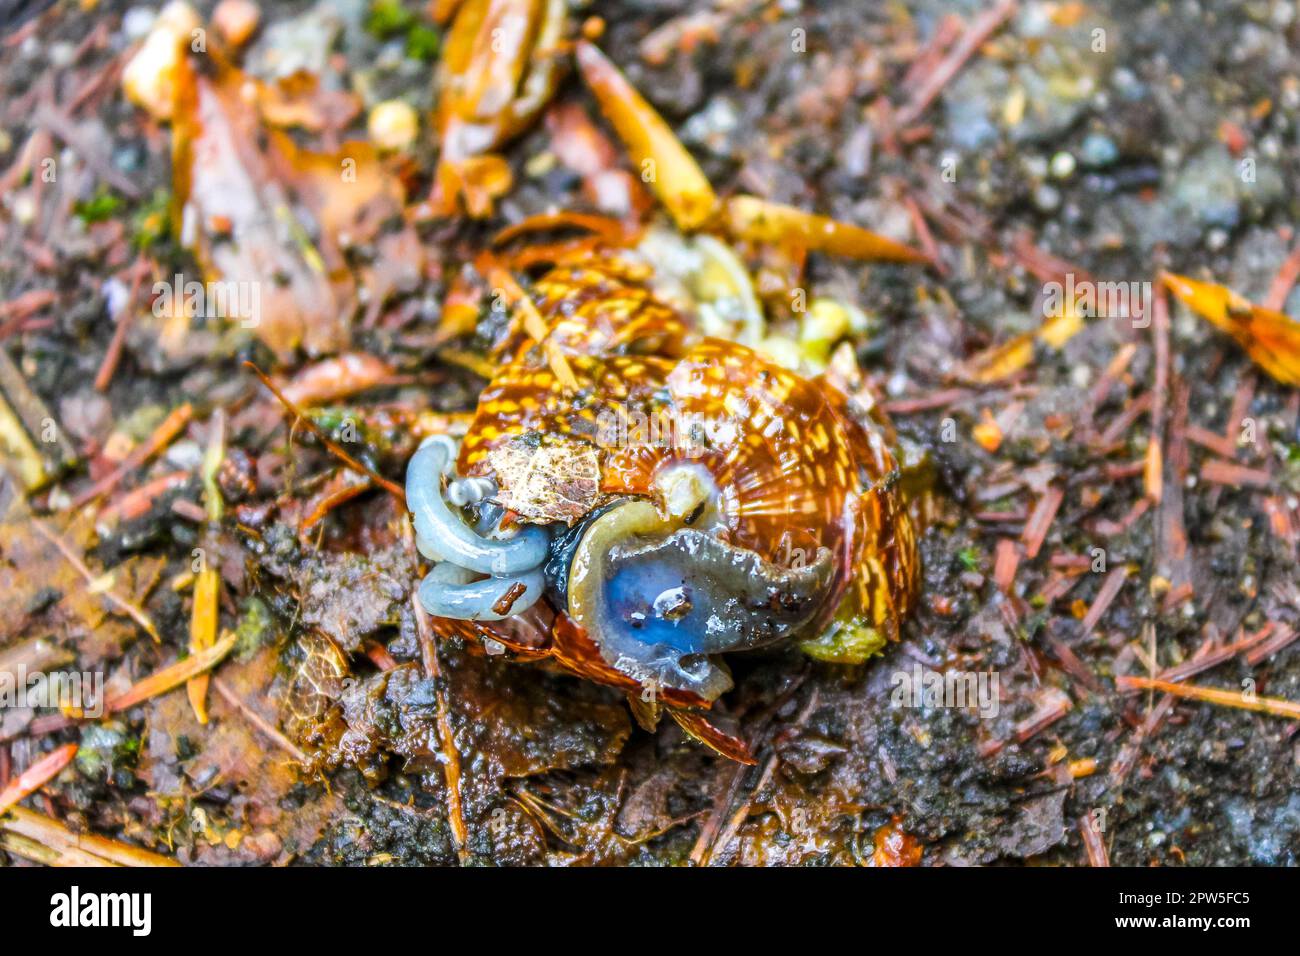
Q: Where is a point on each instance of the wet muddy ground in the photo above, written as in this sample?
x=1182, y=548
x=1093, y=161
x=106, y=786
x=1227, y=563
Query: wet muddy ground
x=1102, y=142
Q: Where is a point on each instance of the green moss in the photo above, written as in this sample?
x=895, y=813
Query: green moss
x=99, y=207
x=422, y=43
x=151, y=223
x=387, y=18
x=391, y=18
x=254, y=628
x=106, y=747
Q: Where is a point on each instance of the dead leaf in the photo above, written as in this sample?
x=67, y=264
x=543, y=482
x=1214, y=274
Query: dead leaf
x=1271, y=339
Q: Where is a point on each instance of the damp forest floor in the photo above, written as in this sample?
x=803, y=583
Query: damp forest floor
x=1107, y=505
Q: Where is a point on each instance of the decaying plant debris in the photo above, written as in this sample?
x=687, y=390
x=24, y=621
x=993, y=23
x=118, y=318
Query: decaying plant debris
x=1114, y=487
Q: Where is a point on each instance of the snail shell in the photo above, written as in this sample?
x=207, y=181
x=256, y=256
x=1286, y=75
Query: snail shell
x=706, y=499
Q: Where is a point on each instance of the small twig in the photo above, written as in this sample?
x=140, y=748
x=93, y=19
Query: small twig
x=36, y=776
x=1155, y=471
x=77, y=848
x=925, y=403
x=708, y=834
x=125, y=606
x=394, y=489
x=258, y=721
x=737, y=819
x=205, y=613
x=1219, y=472
x=124, y=320
x=1053, y=704
x=1092, y=841
x=1213, y=658
x=451, y=756
x=1284, y=636
x=173, y=675
x=162, y=436
x=1006, y=560
x=1273, y=706
x=64, y=128
x=1283, y=282
x=137, y=501
x=1040, y=521
x=1106, y=595
x=980, y=30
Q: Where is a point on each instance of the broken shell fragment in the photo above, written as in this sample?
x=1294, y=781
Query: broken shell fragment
x=393, y=125
x=236, y=20
x=150, y=78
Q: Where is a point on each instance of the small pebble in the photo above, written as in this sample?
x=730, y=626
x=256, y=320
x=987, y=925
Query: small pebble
x=1047, y=198
x=149, y=78
x=1035, y=166
x=1098, y=150
x=24, y=209
x=185, y=454
x=62, y=55
x=1127, y=84
x=393, y=125
x=137, y=22
x=540, y=164
x=115, y=295
x=1063, y=165
x=236, y=20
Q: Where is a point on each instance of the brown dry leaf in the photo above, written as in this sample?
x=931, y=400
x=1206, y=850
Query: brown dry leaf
x=1271, y=339
x=299, y=100
x=999, y=362
x=315, y=687
x=524, y=723
x=758, y=220
x=349, y=192
x=515, y=721
x=40, y=592
x=237, y=219
x=580, y=144
x=256, y=822
x=399, y=264
x=237, y=206
x=554, y=482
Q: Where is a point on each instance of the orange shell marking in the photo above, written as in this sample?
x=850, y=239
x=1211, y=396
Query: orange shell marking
x=795, y=469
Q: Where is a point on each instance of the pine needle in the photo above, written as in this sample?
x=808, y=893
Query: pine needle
x=173, y=675
x=36, y=776
x=207, y=585
x=1273, y=706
